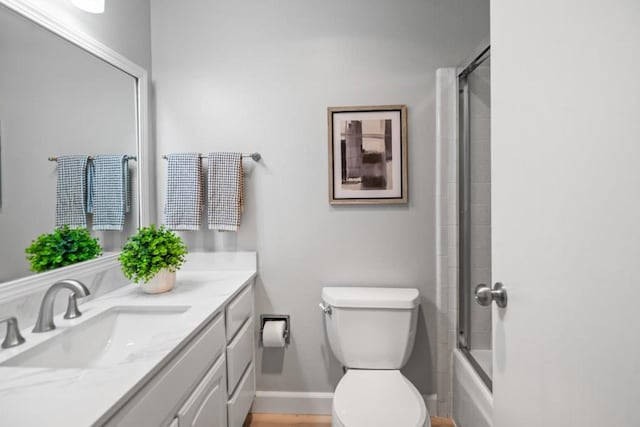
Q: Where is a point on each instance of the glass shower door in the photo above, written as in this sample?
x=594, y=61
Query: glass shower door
x=474, y=322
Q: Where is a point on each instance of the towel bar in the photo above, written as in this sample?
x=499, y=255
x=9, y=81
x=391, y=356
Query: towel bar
x=254, y=156
x=55, y=159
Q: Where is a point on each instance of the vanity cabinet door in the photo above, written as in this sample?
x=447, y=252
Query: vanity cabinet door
x=240, y=403
x=206, y=407
x=158, y=401
x=239, y=355
x=238, y=311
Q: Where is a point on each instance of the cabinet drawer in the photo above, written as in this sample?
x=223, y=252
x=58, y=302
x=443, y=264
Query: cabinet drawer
x=206, y=407
x=238, y=311
x=239, y=354
x=240, y=403
x=159, y=399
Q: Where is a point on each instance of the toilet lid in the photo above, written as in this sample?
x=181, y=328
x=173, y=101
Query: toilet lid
x=376, y=398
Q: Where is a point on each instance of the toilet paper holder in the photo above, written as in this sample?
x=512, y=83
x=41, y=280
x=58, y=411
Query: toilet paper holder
x=264, y=318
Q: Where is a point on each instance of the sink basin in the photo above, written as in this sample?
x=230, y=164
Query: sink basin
x=116, y=336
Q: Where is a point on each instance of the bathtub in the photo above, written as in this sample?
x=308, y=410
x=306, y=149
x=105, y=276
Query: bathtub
x=472, y=400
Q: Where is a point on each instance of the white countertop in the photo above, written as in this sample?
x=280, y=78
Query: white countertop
x=82, y=397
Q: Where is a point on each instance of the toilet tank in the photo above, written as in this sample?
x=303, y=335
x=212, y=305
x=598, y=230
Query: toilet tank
x=371, y=328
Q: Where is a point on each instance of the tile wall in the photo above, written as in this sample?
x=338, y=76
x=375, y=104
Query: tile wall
x=446, y=231
x=480, y=140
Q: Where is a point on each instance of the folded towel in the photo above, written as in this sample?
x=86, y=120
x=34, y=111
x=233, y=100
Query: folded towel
x=185, y=196
x=225, y=191
x=108, y=197
x=70, y=191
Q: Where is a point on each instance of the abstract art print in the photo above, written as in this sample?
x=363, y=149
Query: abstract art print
x=368, y=154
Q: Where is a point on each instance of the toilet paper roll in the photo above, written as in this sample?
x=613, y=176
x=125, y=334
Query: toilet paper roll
x=273, y=333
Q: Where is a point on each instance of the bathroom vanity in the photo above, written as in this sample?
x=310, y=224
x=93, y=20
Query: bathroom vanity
x=183, y=358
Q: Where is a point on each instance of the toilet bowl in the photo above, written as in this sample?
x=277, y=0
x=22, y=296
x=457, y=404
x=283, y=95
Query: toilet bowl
x=378, y=398
x=371, y=332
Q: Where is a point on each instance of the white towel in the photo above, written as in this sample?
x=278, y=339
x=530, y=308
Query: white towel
x=108, y=197
x=71, y=191
x=185, y=196
x=225, y=191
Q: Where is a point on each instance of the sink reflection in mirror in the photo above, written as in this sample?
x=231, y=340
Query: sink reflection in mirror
x=116, y=336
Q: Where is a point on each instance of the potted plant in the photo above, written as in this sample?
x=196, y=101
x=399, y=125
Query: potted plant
x=151, y=257
x=65, y=246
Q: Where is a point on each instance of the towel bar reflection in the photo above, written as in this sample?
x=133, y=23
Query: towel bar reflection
x=254, y=156
x=55, y=159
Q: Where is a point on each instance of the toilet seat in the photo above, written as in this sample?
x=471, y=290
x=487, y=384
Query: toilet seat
x=378, y=398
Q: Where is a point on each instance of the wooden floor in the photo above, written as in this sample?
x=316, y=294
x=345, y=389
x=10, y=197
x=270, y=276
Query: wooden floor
x=276, y=420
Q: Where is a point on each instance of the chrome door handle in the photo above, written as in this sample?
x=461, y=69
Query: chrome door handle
x=484, y=295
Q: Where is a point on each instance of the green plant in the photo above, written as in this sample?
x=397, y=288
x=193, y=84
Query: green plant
x=150, y=250
x=65, y=246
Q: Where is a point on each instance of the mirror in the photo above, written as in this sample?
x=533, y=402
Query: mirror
x=61, y=93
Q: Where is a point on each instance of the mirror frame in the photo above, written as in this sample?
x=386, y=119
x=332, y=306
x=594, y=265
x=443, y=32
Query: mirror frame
x=14, y=288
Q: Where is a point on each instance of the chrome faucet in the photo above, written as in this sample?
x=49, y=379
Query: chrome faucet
x=13, y=337
x=45, y=316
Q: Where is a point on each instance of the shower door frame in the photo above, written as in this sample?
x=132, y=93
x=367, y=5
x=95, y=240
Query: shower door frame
x=464, y=216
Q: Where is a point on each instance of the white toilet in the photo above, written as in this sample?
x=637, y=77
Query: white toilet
x=372, y=331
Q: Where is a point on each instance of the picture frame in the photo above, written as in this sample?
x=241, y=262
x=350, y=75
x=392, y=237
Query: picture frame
x=368, y=155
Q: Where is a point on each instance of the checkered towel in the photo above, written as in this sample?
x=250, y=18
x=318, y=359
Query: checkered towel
x=185, y=196
x=225, y=191
x=70, y=191
x=108, y=197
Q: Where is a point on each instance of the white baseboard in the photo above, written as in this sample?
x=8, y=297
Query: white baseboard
x=292, y=402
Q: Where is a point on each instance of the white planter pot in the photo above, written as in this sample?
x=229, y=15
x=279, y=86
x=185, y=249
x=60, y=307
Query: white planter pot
x=161, y=282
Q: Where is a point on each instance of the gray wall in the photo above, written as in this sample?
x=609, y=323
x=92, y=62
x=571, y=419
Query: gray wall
x=259, y=76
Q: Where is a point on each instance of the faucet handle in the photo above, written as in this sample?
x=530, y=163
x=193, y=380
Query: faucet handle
x=13, y=337
x=72, y=308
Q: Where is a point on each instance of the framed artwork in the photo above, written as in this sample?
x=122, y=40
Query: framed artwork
x=368, y=155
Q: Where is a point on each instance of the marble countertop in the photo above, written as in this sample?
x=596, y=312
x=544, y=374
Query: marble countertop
x=83, y=397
